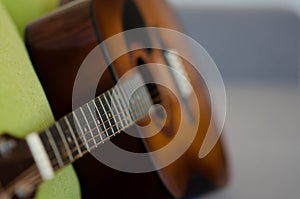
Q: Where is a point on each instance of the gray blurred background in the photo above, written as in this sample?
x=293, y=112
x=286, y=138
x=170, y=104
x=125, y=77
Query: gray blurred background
x=256, y=46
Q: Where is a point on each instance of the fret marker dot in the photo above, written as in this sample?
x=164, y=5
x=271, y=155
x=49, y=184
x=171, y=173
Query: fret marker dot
x=98, y=121
x=69, y=139
x=85, y=129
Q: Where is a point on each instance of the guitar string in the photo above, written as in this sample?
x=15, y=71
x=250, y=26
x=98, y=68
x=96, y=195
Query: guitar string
x=157, y=99
x=110, y=128
x=54, y=161
x=106, y=106
x=74, y=149
x=30, y=173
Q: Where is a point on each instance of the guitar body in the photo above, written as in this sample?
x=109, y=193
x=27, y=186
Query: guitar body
x=58, y=44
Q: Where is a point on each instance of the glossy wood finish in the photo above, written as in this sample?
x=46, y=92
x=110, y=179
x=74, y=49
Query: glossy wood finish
x=58, y=44
x=19, y=174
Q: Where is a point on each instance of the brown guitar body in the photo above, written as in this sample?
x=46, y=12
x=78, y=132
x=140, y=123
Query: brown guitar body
x=59, y=42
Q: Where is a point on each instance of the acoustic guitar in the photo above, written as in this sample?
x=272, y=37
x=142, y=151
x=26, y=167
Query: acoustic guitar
x=59, y=44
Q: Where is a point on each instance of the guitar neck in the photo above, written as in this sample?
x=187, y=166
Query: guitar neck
x=89, y=126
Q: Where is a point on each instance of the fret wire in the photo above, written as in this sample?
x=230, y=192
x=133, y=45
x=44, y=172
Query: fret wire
x=134, y=97
x=104, y=106
x=86, y=121
x=55, y=149
x=123, y=120
x=66, y=132
x=91, y=122
x=105, y=113
x=122, y=108
x=126, y=92
x=59, y=144
x=73, y=135
x=146, y=96
x=76, y=157
x=143, y=108
x=83, y=135
x=126, y=108
x=115, y=103
x=107, y=138
x=111, y=117
x=96, y=107
x=77, y=145
x=48, y=147
x=142, y=94
x=95, y=122
x=139, y=116
x=104, y=109
x=64, y=140
x=143, y=91
x=77, y=132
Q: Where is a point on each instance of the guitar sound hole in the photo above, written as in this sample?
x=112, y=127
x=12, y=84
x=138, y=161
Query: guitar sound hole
x=155, y=92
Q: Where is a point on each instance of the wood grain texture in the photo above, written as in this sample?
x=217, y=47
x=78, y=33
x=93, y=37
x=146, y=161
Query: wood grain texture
x=59, y=43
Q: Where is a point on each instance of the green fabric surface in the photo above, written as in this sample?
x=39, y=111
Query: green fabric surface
x=24, y=11
x=23, y=105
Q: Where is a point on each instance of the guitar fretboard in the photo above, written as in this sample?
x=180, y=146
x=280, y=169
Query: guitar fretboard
x=96, y=122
